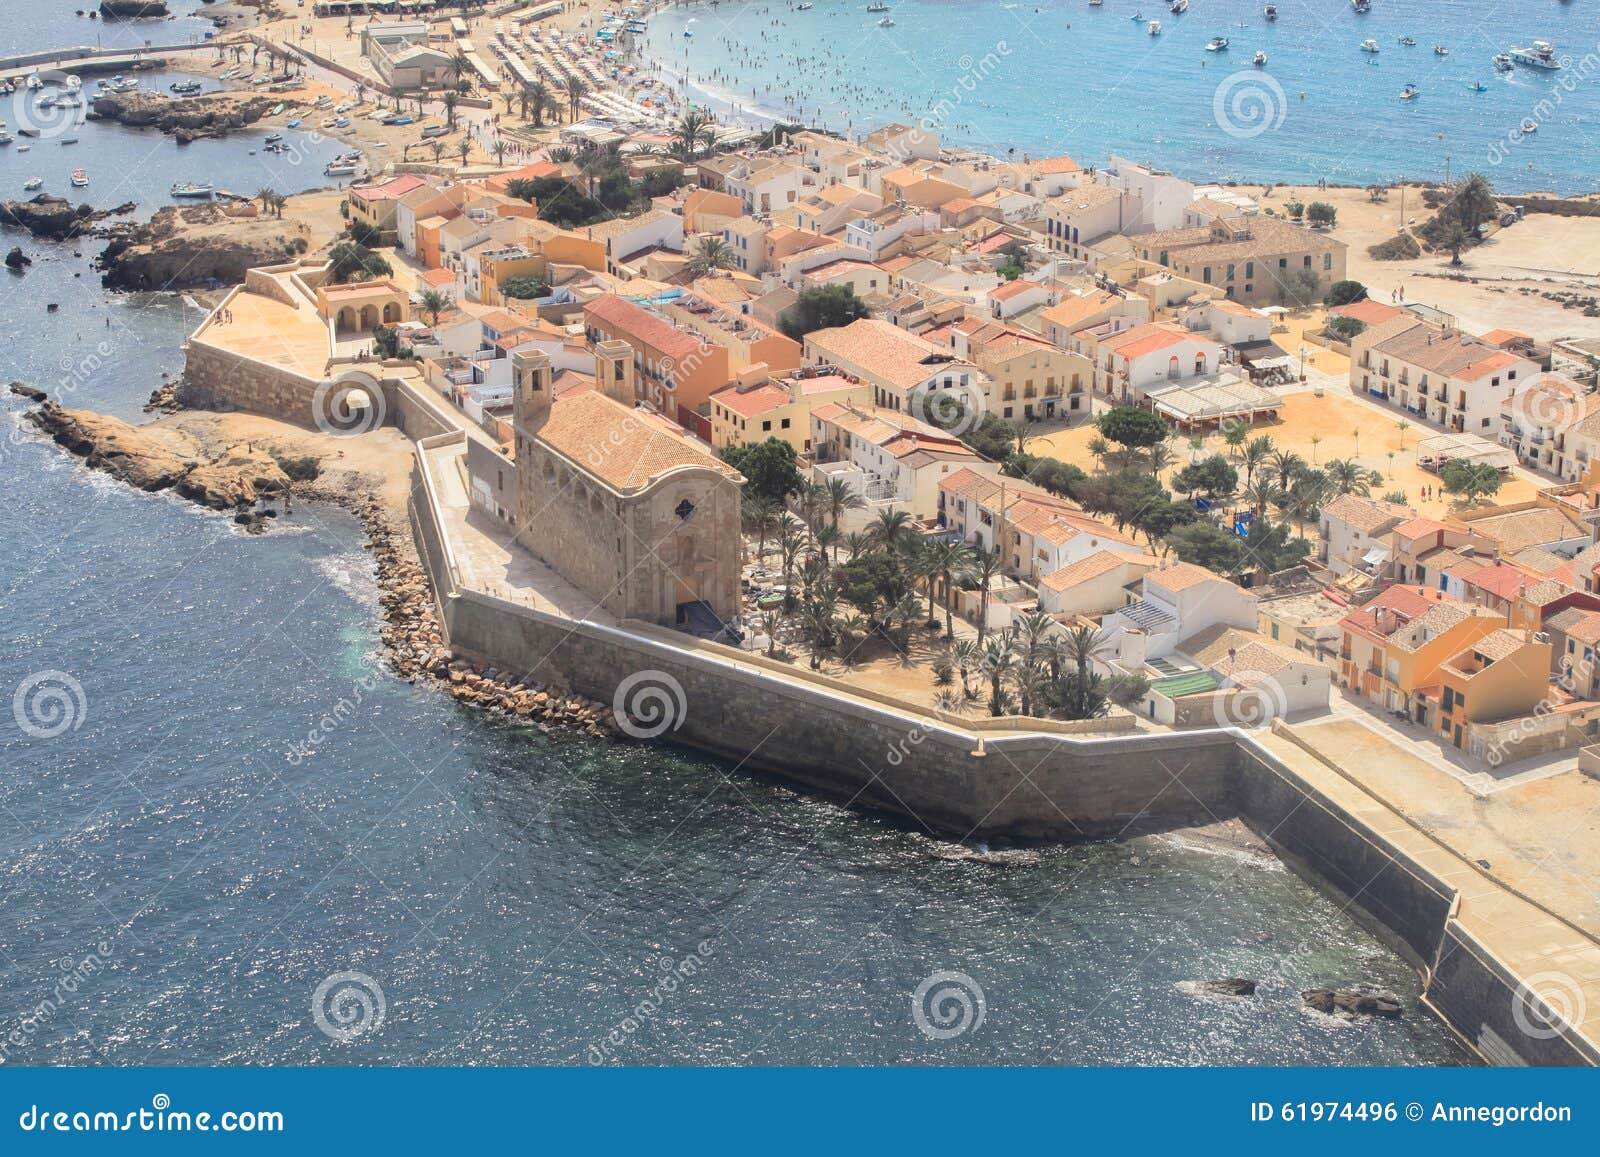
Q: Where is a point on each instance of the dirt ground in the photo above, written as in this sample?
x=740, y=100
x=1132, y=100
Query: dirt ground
x=1541, y=253
x=1346, y=426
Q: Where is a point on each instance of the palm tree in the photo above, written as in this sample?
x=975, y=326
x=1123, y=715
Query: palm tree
x=451, y=99
x=1235, y=435
x=890, y=527
x=436, y=147
x=840, y=496
x=1083, y=645
x=692, y=130
x=791, y=541
x=922, y=560
x=500, y=147
x=464, y=149
x=436, y=303
x=538, y=98
x=278, y=202
x=1456, y=239
x=460, y=66
x=984, y=567
x=761, y=515
x=1402, y=425
x=1346, y=476
x=1161, y=458
x=576, y=91
x=265, y=196
x=965, y=653
x=995, y=664
x=955, y=565
x=858, y=544
x=1316, y=440
x=1256, y=455
x=1286, y=464
x=1099, y=448
x=708, y=254
x=1262, y=493
x=1474, y=200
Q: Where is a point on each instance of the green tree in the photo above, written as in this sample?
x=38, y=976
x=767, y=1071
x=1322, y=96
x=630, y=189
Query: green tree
x=1470, y=480
x=436, y=304
x=770, y=468
x=350, y=260
x=1133, y=427
x=710, y=253
x=1345, y=292
x=1209, y=476
x=823, y=307
x=1321, y=213
x=1206, y=544
x=524, y=287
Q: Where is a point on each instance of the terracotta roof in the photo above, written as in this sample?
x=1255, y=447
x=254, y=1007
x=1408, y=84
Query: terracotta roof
x=1499, y=579
x=1245, y=657
x=653, y=330
x=1061, y=164
x=885, y=351
x=1368, y=311
x=1148, y=338
x=1092, y=567
x=1420, y=528
x=626, y=448
x=1366, y=514
x=1181, y=576
x=1578, y=622
x=436, y=277
x=1499, y=337
x=1013, y=289
x=1405, y=601
x=390, y=190
x=1073, y=309
x=748, y=403
x=1444, y=351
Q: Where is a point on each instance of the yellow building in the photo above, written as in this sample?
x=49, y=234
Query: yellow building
x=363, y=305
x=1391, y=649
x=779, y=408
x=1502, y=675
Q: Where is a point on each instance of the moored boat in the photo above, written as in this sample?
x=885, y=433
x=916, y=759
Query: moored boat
x=1409, y=92
x=1369, y=45
x=1270, y=12
x=1217, y=44
x=190, y=189
x=80, y=178
x=1154, y=28
x=33, y=183
x=1539, y=54
x=1260, y=60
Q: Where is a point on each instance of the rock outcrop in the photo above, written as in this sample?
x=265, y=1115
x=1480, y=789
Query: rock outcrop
x=239, y=477
x=1352, y=1002
x=191, y=246
x=1236, y=986
x=17, y=259
x=55, y=218
x=125, y=452
x=132, y=9
x=188, y=119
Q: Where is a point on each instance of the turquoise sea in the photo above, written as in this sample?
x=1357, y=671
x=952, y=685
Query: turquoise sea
x=1051, y=76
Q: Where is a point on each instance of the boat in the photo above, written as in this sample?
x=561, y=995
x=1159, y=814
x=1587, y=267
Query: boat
x=294, y=124
x=27, y=132
x=1270, y=12
x=33, y=81
x=185, y=87
x=1154, y=28
x=276, y=112
x=400, y=120
x=1409, y=92
x=80, y=179
x=886, y=22
x=879, y=7
x=1362, y=7
x=274, y=138
x=329, y=123
x=33, y=183
x=1502, y=62
x=1217, y=44
x=190, y=189
x=1539, y=54
x=342, y=123
x=1440, y=50
x=1408, y=41
x=797, y=8
x=340, y=169
x=1369, y=45
x=69, y=140
x=1529, y=125
x=1178, y=7
x=73, y=84
x=687, y=34
x=6, y=138
x=1478, y=86
x=1260, y=60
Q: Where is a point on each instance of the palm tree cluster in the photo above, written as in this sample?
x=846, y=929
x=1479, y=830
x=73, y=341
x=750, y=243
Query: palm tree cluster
x=1284, y=481
x=842, y=590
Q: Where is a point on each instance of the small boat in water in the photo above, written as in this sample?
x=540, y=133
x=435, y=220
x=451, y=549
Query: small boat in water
x=80, y=179
x=1260, y=60
x=340, y=169
x=1478, y=86
x=1178, y=7
x=1154, y=28
x=877, y=7
x=185, y=87
x=1362, y=7
x=1408, y=41
x=1539, y=54
x=886, y=22
x=1529, y=126
x=1440, y=50
x=1270, y=12
x=1369, y=45
x=1409, y=92
x=33, y=183
x=274, y=138
x=190, y=189
x=1217, y=44
x=1502, y=62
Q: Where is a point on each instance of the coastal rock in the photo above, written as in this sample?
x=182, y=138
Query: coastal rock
x=1352, y=1002
x=32, y=393
x=239, y=477
x=17, y=259
x=192, y=246
x=188, y=119
x=1236, y=986
x=132, y=9
x=110, y=444
x=48, y=216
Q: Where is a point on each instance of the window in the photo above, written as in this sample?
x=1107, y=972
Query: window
x=767, y=425
x=784, y=425
x=1327, y=262
x=1249, y=271
x=684, y=509
x=1206, y=275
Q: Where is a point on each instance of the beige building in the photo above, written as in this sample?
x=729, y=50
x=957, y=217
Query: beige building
x=1254, y=260
x=1439, y=374
x=619, y=501
x=1029, y=377
x=779, y=408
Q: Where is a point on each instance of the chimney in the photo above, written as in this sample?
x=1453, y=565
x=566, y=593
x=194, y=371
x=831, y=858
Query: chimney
x=613, y=371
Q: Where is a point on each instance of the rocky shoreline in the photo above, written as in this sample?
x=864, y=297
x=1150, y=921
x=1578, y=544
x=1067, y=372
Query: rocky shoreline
x=55, y=218
x=189, y=119
x=192, y=246
x=249, y=480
